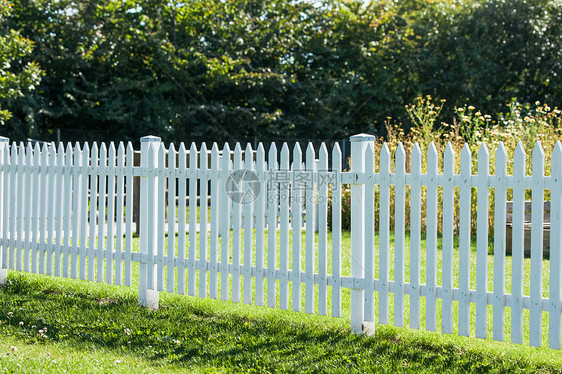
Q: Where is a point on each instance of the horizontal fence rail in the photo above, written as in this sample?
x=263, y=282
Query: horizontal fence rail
x=265, y=227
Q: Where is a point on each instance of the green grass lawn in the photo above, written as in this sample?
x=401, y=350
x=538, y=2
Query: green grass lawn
x=54, y=325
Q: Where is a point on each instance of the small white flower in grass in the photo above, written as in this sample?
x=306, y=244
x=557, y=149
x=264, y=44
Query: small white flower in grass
x=14, y=349
x=117, y=361
x=21, y=323
x=10, y=314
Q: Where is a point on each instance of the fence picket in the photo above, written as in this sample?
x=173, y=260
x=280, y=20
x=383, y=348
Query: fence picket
x=399, y=234
x=13, y=178
x=161, y=196
x=465, y=211
x=260, y=225
x=248, y=224
x=448, y=236
x=20, y=207
x=415, y=236
x=236, y=228
x=537, y=206
x=86, y=178
x=322, y=222
x=272, y=201
x=284, y=190
x=431, y=239
x=203, y=220
x=182, y=231
x=482, y=242
x=4, y=204
x=67, y=211
x=59, y=208
x=129, y=185
x=171, y=254
x=120, y=176
x=28, y=210
x=102, y=184
x=384, y=230
x=225, y=224
x=336, y=231
x=499, y=243
x=111, y=222
x=36, y=228
x=369, y=312
x=310, y=231
x=555, y=285
x=215, y=212
x=296, y=210
x=191, y=275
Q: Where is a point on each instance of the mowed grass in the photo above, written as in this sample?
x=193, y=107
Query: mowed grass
x=92, y=327
x=53, y=325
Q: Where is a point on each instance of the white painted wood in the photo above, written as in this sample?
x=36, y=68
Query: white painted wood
x=272, y=201
x=28, y=209
x=191, y=274
x=111, y=163
x=297, y=194
x=120, y=207
x=236, y=230
x=248, y=224
x=399, y=234
x=43, y=211
x=171, y=251
x=537, y=206
x=203, y=222
x=182, y=226
x=67, y=200
x=130, y=182
x=93, y=208
x=60, y=193
x=482, y=242
x=225, y=222
x=369, y=313
x=384, y=234
x=4, y=164
x=161, y=207
x=310, y=229
x=336, y=232
x=322, y=218
x=431, y=238
x=448, y=236
x=36, y=228
x=13, y=178
x=84, y=224
x=464, y=240
x=51, y=209
x=415, y=236
x=20, y=214
x=260, y=225
x=215, y=214
x=284, y=189
x=555, y=286
x=102, y=228
x=499, y=243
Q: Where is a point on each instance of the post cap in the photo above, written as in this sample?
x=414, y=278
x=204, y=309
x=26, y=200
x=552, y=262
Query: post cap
x=3, y=139
x=150, y=139
x=362, y=138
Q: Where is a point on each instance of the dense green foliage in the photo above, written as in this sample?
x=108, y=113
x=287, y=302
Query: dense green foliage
x=234, y=70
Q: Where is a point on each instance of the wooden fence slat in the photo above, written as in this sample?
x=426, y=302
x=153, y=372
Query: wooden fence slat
x=284, y=188
x=161, y=191
x=415, y=236
x=36, y=228
x=182, y=206
x=499, y=243
x=203, y=220
x=431, y=239
x=111, y=222
x=28, y=209
x=225, y=224
x=465, y=212
x=102, y=228
x=4, y=201
x=236, y=228
x=130, y=187
x=84, y=230
x=59, y=209
x=384, y=237
x=272, y=201
x=310, y=231
x=260, y=225
x=68, y=200
x=322, y=220
x=93, y=204
x=369, y=305
x=171, y=250
x=12, y=198
x=555, y=286
x=482, y=242
x=399, y=234
x=120, y=205
x=296, y=210
x=448, y=236
x=20, y=210
x=537, y=206
x=191, y=275
x=336, y=231
x=248, y=224
x=215, y=213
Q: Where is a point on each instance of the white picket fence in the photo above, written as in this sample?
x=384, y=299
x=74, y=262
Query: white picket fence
x=67, y=212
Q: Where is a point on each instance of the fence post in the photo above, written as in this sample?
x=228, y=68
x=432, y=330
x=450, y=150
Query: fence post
x=4, y=142
x=358, y=147
x=148, y=296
